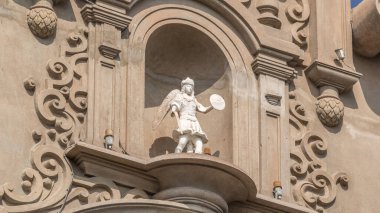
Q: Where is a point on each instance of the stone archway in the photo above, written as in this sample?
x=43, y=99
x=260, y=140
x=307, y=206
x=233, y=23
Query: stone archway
x=243, y=83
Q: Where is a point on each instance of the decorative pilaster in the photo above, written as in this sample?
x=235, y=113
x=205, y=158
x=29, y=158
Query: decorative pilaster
x=274, y=75
x=41, y=18
x=106, y=20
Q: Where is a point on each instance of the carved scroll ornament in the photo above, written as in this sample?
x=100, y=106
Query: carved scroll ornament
x=313, y=186
x=61, y=107
x=298, y=14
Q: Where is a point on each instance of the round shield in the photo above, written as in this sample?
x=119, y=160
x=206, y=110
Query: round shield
x=217, y=102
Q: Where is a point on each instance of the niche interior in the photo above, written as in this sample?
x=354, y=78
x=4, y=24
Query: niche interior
x=174, y=52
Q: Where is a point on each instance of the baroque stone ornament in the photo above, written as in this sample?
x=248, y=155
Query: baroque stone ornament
x=269, y=13
x=298, y=14
x=97, y=189
x=42, y=20
x=184, y=105
x=329, y=108
x=61, y=107
x=313, y=186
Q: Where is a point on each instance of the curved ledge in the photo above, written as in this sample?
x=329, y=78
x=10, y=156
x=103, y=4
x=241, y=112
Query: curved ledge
x=131, y=206
x=366, y=28
x=203, y=172
x=200, y=181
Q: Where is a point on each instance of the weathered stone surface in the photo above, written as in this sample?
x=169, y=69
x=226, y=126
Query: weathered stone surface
x=42, y=21
x=366, y=28
x=102, y=68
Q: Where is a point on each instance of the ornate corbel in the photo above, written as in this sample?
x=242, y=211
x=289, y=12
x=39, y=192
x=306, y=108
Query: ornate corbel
x=331, y=80
x=41, y=18
x=268, y=10
x=331, y=68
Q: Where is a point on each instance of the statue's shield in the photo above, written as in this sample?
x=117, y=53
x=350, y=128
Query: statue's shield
x=217, y=102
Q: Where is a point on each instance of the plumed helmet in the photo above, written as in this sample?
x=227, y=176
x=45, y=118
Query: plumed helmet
x=187, y=81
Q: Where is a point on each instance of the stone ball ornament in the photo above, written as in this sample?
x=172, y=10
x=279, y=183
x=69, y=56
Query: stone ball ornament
x=330, y=111
x=42, y=20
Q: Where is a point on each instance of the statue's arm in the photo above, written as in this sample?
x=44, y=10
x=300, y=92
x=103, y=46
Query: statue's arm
x=202, y=108
x=175, y=107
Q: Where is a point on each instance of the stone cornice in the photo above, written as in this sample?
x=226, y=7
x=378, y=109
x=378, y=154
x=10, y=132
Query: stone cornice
x=322, y=74
x=268, y=65
x=101, y=14
x=125, y=4
x=120, y=168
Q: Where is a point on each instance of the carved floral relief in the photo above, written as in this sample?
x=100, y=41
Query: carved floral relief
x=313, y=186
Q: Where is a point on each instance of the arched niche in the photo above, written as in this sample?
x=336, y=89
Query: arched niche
x=242, y=84
x=174, y=52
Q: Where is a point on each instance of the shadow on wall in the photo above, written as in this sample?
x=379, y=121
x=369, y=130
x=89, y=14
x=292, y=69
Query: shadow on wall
x=175, y=52
x=370, y=68
x=162, y=146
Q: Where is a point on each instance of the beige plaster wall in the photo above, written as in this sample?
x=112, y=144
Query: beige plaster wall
x=353, y=146
x=23, y=55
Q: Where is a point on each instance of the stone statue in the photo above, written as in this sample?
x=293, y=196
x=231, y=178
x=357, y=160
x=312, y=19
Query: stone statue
x=184, y=105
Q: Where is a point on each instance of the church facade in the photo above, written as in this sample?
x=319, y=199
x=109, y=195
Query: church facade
x=96, y=95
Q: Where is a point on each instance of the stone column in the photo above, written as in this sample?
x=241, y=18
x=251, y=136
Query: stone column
x=105, y=20
x=273, y=74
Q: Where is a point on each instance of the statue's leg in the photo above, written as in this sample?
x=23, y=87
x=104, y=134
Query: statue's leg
x=183, y=139
x=190, y=147
x=198, y=145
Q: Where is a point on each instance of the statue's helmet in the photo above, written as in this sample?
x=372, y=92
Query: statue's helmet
x=187, y=81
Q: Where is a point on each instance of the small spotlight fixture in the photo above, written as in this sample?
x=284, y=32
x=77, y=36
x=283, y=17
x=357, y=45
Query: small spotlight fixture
x=108, y=139
x=340, y=54
x=277, y=190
